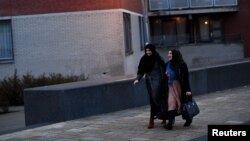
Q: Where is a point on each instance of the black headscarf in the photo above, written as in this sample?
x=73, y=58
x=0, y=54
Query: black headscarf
x=177, y=60
x=147, y=63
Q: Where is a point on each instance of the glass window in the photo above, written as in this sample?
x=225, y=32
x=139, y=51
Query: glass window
x=169, y=37
x=6, y=49
x=156, y=32
x=142, y=28
x=204, y=23
x=225, y=2
x=127, y=33
x=175, y=4
x=158, y=5
x=201, y=3
x=216, y=30
x=169, y=32
x=182, y=33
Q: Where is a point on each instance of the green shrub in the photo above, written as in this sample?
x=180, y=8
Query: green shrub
x=11, y=89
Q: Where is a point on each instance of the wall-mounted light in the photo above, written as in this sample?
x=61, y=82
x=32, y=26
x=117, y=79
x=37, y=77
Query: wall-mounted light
x=157, y=21
x=206, y=22
x=178, y=19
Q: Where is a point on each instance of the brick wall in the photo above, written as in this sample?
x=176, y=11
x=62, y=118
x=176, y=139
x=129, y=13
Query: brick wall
x=30, y=7
x=68, y=43
x=239, y=23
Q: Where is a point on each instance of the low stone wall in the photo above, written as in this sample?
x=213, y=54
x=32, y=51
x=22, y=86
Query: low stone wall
x=220, y=77
x=56, y=103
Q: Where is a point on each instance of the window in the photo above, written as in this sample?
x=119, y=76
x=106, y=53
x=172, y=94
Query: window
x=143, y=38
x=176, y=4
x=6, y=49
x=204, y=28
x=211, y=29
x=167, y=32
x=158, y=4
x=127, y=33
x=225, y=2
x=201, y=3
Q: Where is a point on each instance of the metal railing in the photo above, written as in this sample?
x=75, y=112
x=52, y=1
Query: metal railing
x=185, y=4
x=184, y=39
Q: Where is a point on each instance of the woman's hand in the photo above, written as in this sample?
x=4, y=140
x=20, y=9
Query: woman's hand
x=136, y=81
x=188, y=93
x=167, y=74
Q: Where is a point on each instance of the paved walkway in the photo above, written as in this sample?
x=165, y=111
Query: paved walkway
x=12, y=121
x=224, y=107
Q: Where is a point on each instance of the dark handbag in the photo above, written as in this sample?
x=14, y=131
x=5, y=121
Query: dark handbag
x=190, y=108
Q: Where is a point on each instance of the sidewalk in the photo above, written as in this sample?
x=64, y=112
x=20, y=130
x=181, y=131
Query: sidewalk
x=224, y=107
x=12, y=121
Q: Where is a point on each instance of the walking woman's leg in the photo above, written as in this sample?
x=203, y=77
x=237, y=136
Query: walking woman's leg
x=177, y=96
x=188, y=122
x=171, y=120
x=171, y=109
x=152, y=112
x=151, y=119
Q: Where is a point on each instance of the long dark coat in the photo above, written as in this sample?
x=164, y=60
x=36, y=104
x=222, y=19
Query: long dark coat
x=154, y=82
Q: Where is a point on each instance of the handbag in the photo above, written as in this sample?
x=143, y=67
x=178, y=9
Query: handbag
x=190, y=108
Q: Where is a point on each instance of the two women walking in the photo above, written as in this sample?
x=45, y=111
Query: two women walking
x=167, y=85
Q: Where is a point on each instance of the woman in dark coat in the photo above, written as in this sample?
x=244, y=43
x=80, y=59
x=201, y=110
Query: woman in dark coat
x=178, y=86
x=152, y=66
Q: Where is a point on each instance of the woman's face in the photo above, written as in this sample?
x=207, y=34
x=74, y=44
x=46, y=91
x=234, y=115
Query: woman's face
x=148, y=52
x=170, y=55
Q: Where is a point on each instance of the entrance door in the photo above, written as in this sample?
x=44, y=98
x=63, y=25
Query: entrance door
x=169, y=33
x=216, y=30
x=204, y=29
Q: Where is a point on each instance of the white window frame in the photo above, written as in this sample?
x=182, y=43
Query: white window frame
x=143, y=37
x=127, y=33
x=6, y=41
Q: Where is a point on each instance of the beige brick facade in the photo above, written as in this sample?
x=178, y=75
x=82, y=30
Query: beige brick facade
x=90, y=43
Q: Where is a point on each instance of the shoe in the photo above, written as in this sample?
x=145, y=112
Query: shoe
x=168, y=126
x=171, y=120
x=163, y=122
x=151, y=123
x=187, y=123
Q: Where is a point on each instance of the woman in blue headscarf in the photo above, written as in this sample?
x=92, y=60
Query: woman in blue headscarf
x=178, y=86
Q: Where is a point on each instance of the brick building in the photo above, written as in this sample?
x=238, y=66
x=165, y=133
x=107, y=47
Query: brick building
x=106, y=38
x=92, y=37
x=206, y=31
